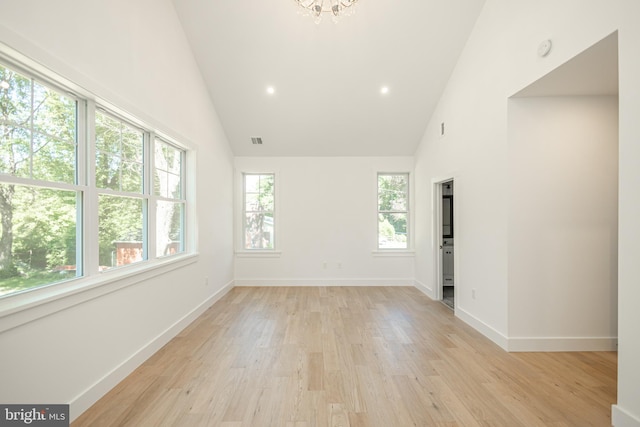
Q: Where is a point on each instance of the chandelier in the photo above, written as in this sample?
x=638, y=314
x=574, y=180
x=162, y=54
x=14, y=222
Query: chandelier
x=317, y=8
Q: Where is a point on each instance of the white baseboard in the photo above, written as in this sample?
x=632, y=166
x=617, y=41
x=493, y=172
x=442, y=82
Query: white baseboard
x=91, y=395
x=483, y=328
x=424, y=289
x=621, y=418
x=324, y=282
x=547, y=344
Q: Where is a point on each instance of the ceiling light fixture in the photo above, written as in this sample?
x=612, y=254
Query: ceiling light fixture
x=384, y=90
x=271, y=90
x=317, y=8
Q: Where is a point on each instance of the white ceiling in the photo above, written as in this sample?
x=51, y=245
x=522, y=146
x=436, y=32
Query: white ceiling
x=327, y=77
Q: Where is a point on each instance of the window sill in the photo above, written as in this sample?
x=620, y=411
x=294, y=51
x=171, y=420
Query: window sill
x=259, y=254
x=24, y=307
x=394, y=252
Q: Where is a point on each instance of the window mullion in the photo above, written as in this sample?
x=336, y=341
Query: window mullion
x=184, y=242
x=151, y=199
x=82, y=142
x=31, y=127
x=90, y=224
x=80, y=181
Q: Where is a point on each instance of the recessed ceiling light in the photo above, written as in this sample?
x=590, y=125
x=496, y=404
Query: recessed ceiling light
x=384, y=90
x=271, y=90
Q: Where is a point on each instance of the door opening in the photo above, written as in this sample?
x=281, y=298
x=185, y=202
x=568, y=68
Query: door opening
x=445, y=231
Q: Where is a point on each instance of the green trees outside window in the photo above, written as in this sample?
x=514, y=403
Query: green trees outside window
x=259, y=211
x=38, y=191
x=393, y=211
x=120, y=181
x=170, y=208
x=70, y=206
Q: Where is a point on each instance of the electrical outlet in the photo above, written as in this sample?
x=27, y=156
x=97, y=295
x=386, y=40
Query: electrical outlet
x=324, y=265
x=339, y=265
x=206, y=281
x=473, y=293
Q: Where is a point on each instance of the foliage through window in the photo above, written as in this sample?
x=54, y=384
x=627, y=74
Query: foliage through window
x=39, y=195
x=121, y=204
x=393, y=211
x=62, y=217
x=170, y=206
x=119, y=155
x=258, y=211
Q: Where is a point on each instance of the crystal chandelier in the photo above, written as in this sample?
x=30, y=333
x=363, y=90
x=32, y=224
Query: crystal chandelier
x=317, y=8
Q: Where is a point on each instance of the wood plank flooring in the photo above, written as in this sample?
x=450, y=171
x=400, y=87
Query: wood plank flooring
x=352, y=357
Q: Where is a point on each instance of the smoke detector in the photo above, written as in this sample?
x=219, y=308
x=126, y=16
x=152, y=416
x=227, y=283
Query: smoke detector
x=544, y=48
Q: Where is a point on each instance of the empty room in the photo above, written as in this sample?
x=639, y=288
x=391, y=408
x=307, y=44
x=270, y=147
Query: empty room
x=320, y=213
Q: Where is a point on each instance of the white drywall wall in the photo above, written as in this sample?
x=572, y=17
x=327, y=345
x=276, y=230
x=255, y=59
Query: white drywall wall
x=499, y=60
x=134, y=55
x=326, y=223
x=563, y=219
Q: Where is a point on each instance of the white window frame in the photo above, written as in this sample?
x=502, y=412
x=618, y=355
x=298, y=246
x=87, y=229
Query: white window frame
x=144, y=195
x=155, y=198
x=240, y=205
x=408, y=251
x=30, y=304
x=244, y=211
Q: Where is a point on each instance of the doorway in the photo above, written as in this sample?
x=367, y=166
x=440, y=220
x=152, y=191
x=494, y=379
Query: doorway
x=445, y=229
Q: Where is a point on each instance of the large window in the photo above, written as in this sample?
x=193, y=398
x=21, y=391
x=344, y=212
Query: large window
x=393, y=210
x=39, y=195
x=258, y=211
x=82, y=189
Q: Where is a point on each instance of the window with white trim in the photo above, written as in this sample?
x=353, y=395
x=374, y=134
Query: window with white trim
x=258, y=211
x=122, y=201
x=393, y=211
x=80, y=190
x=170, y=202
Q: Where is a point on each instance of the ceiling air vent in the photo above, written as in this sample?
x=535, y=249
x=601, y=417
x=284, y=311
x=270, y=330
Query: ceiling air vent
x=256, y=140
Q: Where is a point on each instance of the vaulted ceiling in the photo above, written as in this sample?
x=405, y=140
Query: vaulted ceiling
x=327, y=77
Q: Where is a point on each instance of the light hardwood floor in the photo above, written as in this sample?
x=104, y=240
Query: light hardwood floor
x=352, y=356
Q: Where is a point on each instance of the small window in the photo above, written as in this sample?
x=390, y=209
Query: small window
x=393, y=211
x=258, y=211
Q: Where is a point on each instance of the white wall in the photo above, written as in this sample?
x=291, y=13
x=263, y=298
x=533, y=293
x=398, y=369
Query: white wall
x=473, y=151
x=563, y=222
x=325, y=212
x=133, y=54
x=627, y=411
x=499, y=60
